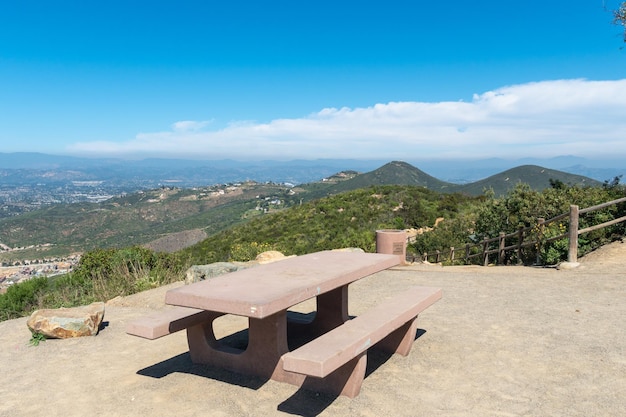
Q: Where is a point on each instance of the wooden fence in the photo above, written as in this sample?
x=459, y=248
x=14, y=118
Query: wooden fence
x=521, y=239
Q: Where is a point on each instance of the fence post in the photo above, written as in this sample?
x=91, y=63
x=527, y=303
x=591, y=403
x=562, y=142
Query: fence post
x=467, y=253
x=438, y=257
x=520, y=238
x=485, y=254
x=539, y=244
x=572, y=253
x=501, y=244
x=451, y=254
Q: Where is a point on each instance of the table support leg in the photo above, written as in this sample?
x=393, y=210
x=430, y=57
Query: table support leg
x=267, y=342
x=332, y=309
x=331, y=312
x=401, y=340
x=346, y=380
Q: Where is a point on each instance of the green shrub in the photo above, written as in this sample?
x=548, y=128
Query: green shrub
x=348, y=219
x=522, y=207
x=101, y=274
x=23, y=298
x=248, y=251
x=449, y=233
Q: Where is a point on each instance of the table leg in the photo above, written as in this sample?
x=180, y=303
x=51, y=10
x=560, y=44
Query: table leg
x=267, y=342
x=401, y=340
x=331, y=312
x=332, y=309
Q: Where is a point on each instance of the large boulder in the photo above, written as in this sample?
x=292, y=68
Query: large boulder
x=197, y=273
x=63, y=323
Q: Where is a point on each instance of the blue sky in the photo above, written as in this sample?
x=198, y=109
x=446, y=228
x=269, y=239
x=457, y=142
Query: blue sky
x=312, y=79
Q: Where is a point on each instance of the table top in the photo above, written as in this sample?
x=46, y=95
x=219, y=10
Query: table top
x=267, y=289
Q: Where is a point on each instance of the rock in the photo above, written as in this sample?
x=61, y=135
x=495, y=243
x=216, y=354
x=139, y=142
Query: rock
x=270, y=256
x=63, y=323
x=197, y=273
x=567, y=265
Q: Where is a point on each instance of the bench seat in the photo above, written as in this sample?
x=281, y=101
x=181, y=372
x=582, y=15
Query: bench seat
x=338, y=358
x=168, y=321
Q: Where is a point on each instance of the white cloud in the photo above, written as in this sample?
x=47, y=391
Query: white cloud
x=190, y=125
x=543, y=119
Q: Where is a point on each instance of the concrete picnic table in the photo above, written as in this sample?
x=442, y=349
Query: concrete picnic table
x=264, y=294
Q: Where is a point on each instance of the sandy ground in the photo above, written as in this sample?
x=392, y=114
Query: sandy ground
x=503, y=341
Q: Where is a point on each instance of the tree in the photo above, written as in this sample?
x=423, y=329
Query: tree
x=557, y=184
x=619, y=17
x=614, y=183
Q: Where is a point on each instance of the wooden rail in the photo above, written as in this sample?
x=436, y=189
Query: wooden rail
x=484, y=249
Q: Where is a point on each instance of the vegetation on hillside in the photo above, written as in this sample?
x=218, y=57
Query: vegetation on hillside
x=522, y=207
x=133, y=219
x=345, y=220
x=348, y=219
x=536, y=177
x=103, y=274
x=146, y=216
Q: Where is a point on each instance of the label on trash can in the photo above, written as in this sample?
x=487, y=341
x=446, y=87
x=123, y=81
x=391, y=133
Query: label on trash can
x=398, y=248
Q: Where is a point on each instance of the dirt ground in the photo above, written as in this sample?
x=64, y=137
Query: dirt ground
x=503, y=341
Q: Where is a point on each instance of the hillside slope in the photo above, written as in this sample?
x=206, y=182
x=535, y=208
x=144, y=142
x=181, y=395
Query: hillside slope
x=537, y=177
x=392, y=173
x=132, y=219
x=142, y=217
x=402, y=173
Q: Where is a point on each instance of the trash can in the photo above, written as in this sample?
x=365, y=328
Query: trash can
x=392, y=242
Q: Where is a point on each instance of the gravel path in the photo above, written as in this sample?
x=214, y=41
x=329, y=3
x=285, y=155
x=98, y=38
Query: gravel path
x=503, y=341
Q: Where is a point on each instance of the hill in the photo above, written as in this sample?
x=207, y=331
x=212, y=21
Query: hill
x=173, y=218
x=402, y=173
x=392, y=173
x=347, y=219
x=136, y=219
x=537, y=177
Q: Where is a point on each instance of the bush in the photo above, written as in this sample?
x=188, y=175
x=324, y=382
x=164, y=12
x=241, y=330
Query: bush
x=522, y=207
x=244, y=252
x=101, y=274
x=107, y=273
x=349, y=219
x=23, y=298
x=449, y=233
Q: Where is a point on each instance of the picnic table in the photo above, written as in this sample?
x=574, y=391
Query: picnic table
x=265, y=293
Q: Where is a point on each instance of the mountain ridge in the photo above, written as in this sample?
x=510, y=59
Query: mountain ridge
x=403, y=173
x=142, y=217
x=200, y=171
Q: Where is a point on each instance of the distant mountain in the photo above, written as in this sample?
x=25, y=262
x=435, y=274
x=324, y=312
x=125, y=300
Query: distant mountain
x=402, y=173
x=464, y=171
x=30, y=167
x=34, y=160
x=392, y=173
x=537, y=177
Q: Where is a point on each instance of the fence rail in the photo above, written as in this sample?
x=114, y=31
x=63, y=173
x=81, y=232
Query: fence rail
x=484, y=248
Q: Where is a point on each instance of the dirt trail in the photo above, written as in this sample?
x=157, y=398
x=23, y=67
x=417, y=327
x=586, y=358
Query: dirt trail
x=503, y=341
